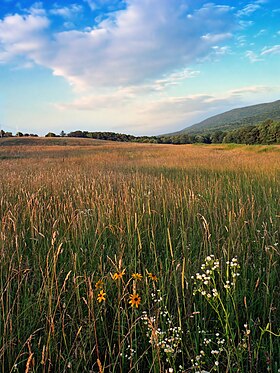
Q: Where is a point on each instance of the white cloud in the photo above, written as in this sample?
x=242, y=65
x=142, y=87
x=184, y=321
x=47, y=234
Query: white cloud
x=216, y=38
x=245, y=24
x=221, y=51
x=253, y=57
x=106, y=5
x=22, y=35
x=241, y=41
x=67, y=12
x=186, y=110
x=271, y=50
x=255, y=89
x=131, y=110
x=249, y=9
x=140, y=43
x=112, y=100
x=261, y=33
x=174, y=79
x=37, y=9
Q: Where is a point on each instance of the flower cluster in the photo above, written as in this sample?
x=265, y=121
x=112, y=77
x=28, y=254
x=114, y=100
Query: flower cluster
x=163, y=335
x=119, y=277
x=207, y=281
x=232, y=273
x=212, y=345
x=216, y=282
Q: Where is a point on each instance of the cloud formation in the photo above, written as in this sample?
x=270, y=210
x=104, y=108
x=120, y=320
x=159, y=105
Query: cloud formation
x=253, y=57
x=271, y=50
x=67, y=12
x=142, y=42
x=162, y=112
x=249, y=9
x=22, y=36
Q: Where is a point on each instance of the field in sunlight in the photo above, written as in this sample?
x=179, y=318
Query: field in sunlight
x=129, y=257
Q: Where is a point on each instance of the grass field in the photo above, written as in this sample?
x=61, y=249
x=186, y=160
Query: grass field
x=139, y=258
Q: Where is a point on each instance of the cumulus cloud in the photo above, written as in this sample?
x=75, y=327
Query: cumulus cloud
x=22, y=35
x=142, y=42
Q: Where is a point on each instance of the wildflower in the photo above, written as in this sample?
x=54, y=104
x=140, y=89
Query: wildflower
x=99, y=284
x=118, y=275
x=214, y=352
x=101, y=296
x=137, y=276
x=152, y=276
x=135, y=300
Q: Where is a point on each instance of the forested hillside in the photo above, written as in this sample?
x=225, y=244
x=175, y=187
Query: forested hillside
x=237, y=118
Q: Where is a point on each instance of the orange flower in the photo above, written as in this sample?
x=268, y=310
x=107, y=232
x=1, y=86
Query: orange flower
x=99, y=284
x=152, y=276
x=118, y=275
x=135, y=300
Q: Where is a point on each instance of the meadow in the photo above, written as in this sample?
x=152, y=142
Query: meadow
x=130, y=257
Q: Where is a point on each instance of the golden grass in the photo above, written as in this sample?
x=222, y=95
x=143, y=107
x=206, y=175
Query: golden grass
x=73, y=214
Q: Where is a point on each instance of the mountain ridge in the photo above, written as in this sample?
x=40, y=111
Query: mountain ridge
x=235, y=118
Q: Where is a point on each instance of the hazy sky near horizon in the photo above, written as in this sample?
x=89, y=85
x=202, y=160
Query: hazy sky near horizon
x=141, y=67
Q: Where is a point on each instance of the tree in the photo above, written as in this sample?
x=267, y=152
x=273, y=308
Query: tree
x=217, y=137
x=78, y=134
x=50, y=134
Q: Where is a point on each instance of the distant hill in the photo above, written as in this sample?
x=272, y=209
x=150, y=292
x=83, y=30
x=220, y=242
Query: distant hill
x=236, y=118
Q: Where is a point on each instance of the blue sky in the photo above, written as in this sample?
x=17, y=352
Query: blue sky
x=142, y=67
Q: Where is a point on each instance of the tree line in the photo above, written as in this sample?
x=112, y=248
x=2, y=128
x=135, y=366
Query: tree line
x=268, y=132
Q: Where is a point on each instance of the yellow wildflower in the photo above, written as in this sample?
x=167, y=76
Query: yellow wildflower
x=152, y=276
x=135, y=300
x=118, y=275
x=137, y=276
x=101, y=296
x=99, y=284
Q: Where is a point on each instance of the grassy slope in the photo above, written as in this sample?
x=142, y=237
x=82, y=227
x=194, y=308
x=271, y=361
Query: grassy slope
x=48, y=141
x=250, y=115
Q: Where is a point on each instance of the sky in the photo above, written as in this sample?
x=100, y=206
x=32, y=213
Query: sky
x=142, y=67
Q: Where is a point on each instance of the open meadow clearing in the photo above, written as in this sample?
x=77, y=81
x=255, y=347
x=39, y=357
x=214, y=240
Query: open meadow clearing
x=122, y=257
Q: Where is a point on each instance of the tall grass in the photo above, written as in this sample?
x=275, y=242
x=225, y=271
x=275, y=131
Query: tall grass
x=79, y=215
